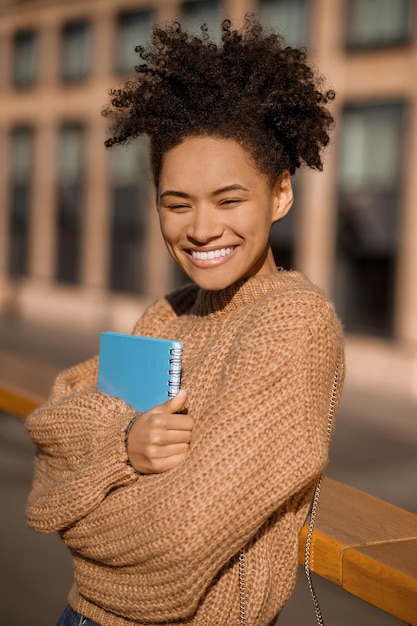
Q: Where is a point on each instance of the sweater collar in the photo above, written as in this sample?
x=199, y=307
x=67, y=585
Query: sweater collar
x=242, y=293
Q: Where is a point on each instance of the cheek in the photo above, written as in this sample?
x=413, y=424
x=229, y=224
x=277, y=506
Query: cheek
x=254, y=224
x=164, y=224
x=170, y=229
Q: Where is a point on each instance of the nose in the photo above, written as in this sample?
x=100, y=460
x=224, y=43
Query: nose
x=205, y=225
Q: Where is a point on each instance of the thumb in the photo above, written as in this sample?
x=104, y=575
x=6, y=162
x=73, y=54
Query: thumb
x=177, y=402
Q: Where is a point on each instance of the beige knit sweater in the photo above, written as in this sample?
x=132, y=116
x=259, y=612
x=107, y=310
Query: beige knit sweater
x=259, y=361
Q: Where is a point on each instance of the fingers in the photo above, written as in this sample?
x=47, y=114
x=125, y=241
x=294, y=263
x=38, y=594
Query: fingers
x=160, y=439
x=179, y=422
x=165, y=464
x=173, y=405
x=169, y=436
x=163, y=452
x=156, y=459
x=165, y=416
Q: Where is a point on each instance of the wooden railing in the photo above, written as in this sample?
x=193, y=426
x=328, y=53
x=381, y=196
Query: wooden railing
x=363, y=544
x=24, y=383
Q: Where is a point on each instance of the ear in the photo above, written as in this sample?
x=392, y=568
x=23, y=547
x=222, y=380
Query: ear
x=283, y=196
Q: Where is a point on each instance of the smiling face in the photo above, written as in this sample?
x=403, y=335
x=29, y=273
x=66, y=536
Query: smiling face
x=216, y=209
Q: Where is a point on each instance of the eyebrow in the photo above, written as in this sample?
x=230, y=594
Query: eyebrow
x=182, y=194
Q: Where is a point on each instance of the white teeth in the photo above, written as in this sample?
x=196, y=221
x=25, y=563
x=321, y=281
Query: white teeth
x=212, y=254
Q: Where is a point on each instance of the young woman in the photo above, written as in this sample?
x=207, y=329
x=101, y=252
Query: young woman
x=189, y=514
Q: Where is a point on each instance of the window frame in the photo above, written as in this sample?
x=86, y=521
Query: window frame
x=364, y=260
x=20, y=186
x=379, y=44
x=128, y=190
x=303, y=37
x=68, y=77
x=18, y=83
x=119, y=68
x=70, y=204
x=192, y=20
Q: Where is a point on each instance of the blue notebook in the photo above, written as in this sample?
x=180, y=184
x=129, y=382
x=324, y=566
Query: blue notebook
x=143, y=371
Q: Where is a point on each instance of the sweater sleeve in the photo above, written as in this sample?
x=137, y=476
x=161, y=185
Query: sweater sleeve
x=80, y=442
x=262, y=440
x=80, y=451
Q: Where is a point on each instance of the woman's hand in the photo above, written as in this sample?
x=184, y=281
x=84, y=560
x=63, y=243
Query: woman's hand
x=160, y=438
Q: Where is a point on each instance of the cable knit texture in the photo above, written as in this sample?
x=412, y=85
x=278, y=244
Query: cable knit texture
x=258, y=362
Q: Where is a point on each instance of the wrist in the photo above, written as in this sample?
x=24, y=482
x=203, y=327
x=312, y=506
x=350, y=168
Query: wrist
x=127, y=432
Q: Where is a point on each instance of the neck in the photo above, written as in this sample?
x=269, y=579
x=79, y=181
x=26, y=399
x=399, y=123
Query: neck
x=239, y=294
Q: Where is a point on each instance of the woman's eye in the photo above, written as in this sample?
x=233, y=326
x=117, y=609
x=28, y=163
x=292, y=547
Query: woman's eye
x=230, y=201
x=174, y=207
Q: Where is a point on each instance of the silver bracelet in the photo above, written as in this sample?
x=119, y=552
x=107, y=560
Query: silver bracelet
x=128, y=429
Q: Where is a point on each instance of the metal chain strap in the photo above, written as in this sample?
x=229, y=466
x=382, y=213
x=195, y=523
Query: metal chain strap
x=242, y=590
x=315, y=504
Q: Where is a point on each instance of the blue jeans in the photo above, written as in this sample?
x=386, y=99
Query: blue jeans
x=71, y=618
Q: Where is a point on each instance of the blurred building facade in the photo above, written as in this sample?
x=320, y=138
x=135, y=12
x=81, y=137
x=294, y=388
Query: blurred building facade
x=79, y=235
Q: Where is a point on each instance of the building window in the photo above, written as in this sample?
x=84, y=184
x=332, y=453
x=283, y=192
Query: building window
x=25, y=58
x=133, y=30
x=70, y=201
x=194, y=13
x=129, y=186
x=76, y=46
x=289, y=17
x=370, y=169
x=21, y=156
x=378, y=23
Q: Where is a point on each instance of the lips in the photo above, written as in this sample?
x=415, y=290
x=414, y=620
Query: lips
x=211, y=254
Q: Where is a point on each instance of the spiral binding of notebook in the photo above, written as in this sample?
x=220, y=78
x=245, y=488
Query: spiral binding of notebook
x=175, y=369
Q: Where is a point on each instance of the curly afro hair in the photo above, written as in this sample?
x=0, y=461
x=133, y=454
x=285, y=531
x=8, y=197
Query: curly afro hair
x=250, y=88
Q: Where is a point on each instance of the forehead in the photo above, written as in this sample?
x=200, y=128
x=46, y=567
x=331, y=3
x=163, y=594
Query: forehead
x=207, y=161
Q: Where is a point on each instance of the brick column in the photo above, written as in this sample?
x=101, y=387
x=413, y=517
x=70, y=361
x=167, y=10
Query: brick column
x=50, y=53
x=104, y=42
x=316, y=236
x=6, y=56
x=236, y=9
x=406, y=283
